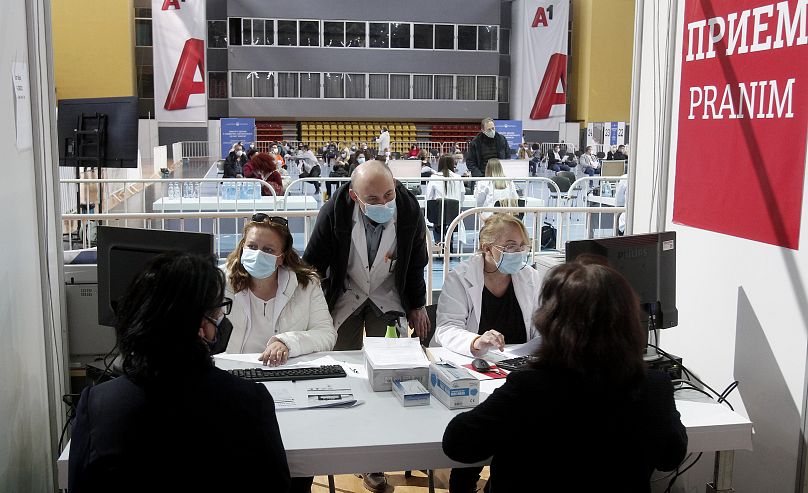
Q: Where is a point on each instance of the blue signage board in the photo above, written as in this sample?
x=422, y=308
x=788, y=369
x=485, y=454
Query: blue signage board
x=236, y=130
x=512, y=131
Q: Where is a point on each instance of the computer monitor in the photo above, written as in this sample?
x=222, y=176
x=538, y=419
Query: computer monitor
x=515, y=168
x=98, y=132
x=648, y=262
x=405, y=169
x=124, y=252
x=612, y=168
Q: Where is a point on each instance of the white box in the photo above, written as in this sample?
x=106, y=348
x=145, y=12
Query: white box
x=411, y=393
x=381, y=379
x=453, y=385
x=388, y=359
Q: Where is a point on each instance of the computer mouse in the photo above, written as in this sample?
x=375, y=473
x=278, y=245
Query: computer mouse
x=480, y=365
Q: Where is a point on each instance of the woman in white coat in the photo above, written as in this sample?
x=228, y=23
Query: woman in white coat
x=439, y=189
x=488, y=300
x=489, y=192
x=278, y=306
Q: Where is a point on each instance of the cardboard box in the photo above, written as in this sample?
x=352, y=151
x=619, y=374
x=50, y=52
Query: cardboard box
x=410, y=393
x=453, y=385
x=381, y=379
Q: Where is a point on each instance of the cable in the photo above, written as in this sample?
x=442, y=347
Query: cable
x=679, y=473
x=71, y=413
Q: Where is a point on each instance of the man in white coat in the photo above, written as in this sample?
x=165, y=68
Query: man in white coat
x=384, y=143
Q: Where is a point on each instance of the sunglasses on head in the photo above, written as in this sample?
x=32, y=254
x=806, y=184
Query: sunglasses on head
x=260, y=217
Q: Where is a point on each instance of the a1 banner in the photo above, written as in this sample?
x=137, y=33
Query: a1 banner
x=178, y=34
x=542, y=102
x=743, y=99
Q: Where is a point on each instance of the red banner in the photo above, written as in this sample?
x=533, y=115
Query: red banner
x=742, y=119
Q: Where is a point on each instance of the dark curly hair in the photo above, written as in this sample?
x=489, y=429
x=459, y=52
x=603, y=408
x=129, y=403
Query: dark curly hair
x=158, y=319
x=589, y=322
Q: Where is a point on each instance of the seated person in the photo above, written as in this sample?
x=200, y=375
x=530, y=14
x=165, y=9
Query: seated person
x=234, y=162
x=278, y=305
x=173, y=412
x=555, y=160
x=438, y=189
x=591, y=412
x=413, y=153
x=489, y=192
x=619, y=154
x=590, y=164
x=487, y=302
x=262, y=166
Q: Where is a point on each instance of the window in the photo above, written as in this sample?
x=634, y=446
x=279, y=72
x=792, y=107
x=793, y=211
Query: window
x=444, y=87
x=505, y=42
x=421, y=87
x=145, y=81
x=333, y=85
x=269, y=32
x=422, y=36
x=217, y=85
x=378, y=86
x=399, y=86
x=217, y=35
x=444, y=37
x=246, y=32
x=355, y=86
x=235, y=31
x=486, y=88
x=240, y=85
x=264, y=84
x=310, y=85
x=287, y=33
x=287, y=85
x=139, y=12
x=143, y=32
x=333, y=34
x=504, y=89
x=466, y=37
x=466, y=87
x=487, y=38
x=379, y=35
x=399, y=35
x=355, y=34
x=309, y=33
x=258, y=32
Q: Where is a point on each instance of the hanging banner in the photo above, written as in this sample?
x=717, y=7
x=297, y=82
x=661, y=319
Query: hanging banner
x=234, y=130
x=743, y=98
x=541, y=104
x=178, y=34
x=512, y=131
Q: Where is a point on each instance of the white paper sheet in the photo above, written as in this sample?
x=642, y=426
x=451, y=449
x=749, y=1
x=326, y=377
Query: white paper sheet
x=389, y=353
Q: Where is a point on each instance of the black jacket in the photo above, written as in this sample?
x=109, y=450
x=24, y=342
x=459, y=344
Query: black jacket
x=474, y=158
x=207, y=431
x=234, y=165
x=330, y=245
x=553, y=429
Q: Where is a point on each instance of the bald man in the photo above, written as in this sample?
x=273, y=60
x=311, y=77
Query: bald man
x=369, y=246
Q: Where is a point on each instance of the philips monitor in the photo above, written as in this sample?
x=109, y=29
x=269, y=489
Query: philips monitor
x=648, y=262
x=99, y=132
x=124, y=252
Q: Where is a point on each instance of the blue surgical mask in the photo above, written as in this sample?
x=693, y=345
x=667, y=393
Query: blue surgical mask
x=380, y=213
x=258, y=264
x=360, y=160
x=511, y=263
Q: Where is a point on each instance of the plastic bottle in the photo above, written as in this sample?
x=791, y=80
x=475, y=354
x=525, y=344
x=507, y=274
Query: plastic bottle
x=391, y=331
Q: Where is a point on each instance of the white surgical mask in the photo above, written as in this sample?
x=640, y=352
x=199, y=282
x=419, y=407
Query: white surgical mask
x=490, y=133
x=239, y=153
x=258, y=264
x=360, y=160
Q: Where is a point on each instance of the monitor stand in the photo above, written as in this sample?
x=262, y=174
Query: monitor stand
x=651, y=353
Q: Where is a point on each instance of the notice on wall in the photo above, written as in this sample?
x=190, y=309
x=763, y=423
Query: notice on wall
x=22, y=105
x=234, y=130
x=512, y=131
x=742, y=119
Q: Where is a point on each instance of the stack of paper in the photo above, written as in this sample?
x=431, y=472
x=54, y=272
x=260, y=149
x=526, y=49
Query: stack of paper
x=392, y=354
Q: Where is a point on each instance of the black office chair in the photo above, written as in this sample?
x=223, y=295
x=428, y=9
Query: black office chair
x=568, y=175
x=450, y=210
x=395, y=155
x=512, y=203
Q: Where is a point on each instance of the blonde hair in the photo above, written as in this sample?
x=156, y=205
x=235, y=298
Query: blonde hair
x=496, y=224
x=238, y=277
x=494, y=168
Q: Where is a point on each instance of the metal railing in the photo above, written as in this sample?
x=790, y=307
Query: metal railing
x=194, y=149
x=546, y=147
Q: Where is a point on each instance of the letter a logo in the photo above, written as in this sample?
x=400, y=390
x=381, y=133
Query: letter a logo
x=183, y=85
x=539, y=18
x=547, y=96
x=171, y=3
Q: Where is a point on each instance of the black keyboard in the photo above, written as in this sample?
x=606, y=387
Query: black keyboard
x=310, y=373
x=514, y=363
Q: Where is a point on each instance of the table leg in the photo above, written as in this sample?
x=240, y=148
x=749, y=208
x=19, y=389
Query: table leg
x=722, y=474
x=331, y=487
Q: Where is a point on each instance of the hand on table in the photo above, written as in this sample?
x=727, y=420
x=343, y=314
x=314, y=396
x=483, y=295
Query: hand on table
x=275, y=354
x=489, y=340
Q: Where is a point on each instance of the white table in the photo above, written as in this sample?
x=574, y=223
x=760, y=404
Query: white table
x=381, y=435
x=216, y=204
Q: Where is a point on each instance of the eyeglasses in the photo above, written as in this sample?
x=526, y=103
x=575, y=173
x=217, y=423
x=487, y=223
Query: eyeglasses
x=260, y=217
x=513, y=248
x=224, y=308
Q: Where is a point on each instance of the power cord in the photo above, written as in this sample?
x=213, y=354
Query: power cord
x=71, y=400
x=681, y=472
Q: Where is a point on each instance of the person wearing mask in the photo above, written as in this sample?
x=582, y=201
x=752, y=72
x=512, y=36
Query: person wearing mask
x=489, y=192
x=426, y=167
x=263, y=167
x=619, y=154
x=357, y=159
x=310, y=167
x=383, y=142
x=438, y=189
x=276, y=152
x=487, y=301
x=488, y=144
x=589, y=162
x=139, y=432
x=555, y=160
x=617, y=419
x=234, y=163
x=367, y=151
x=370, y=241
